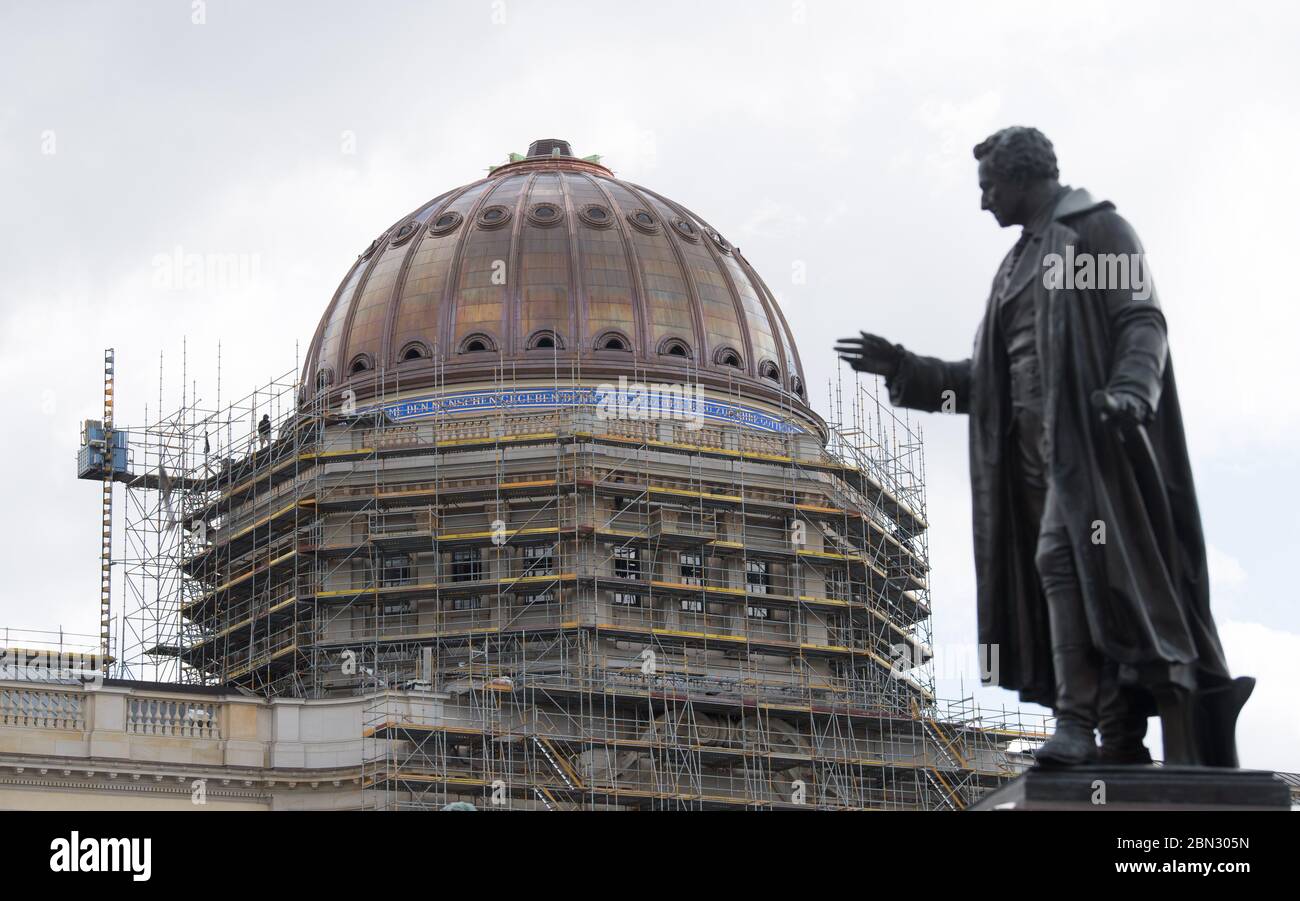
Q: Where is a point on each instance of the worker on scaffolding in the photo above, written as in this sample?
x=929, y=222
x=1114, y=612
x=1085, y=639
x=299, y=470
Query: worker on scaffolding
x=264, y=431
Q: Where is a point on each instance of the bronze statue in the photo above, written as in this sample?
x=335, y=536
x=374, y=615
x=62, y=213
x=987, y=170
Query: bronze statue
x=1089, y=557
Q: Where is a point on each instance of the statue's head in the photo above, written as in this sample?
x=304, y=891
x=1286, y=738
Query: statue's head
x=1017, y=166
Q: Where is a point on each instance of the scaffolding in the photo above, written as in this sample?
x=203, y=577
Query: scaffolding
x=553, y=609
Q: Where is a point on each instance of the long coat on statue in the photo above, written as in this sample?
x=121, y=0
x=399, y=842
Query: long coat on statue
x=1130, y=506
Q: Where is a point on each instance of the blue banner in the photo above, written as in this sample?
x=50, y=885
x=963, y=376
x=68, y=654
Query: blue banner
x=632, y=402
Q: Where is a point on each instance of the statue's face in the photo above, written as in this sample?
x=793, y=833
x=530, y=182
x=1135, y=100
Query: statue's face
x=1000, y=196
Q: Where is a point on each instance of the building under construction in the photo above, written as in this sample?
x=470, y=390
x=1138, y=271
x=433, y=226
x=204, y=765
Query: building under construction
x=550, y=499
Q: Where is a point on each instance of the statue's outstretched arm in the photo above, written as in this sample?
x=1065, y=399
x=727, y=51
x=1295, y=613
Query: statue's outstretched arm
x=931, y=384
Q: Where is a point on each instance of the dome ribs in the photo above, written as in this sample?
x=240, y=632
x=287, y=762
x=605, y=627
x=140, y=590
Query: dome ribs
x=793, y=367
x=742, y=315
x=701, y=348
x=435, y=261
x=577, y=284
x=340, y=361
x=313, y=363
x=436, y=208
x=641, y=315
x=608, y=290
x=512, y=308
x=450, y=298
x=346, y=349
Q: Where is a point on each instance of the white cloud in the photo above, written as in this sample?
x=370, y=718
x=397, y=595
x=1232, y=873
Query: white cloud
x=1226, y=572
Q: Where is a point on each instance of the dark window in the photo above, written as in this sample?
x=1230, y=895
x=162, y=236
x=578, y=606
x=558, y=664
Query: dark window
x=493, y=216
x=445, y=223
x=675, y=348
x=756, y=576
x=692, y=569
x=414, y=352
x=769, y=371
x=539, y=560
x=686, y=229
x=643, y=221
x=595, y=215
x=396, y=571
x=545, y=339
x=466, y=603
x=466, y=565
x=627, y=563
x=758, y=612
x=476, y=343
x=541, y=597
x=394, y=606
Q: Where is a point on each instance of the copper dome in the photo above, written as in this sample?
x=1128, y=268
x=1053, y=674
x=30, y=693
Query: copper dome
x=552, y=261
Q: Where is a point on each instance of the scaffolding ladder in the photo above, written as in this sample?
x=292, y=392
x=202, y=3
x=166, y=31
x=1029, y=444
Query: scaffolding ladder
x=106, y=524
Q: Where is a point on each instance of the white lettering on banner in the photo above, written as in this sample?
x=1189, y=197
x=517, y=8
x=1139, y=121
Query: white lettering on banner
x=635, y=402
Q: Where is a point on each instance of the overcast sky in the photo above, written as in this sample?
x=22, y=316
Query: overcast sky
x=832, y=136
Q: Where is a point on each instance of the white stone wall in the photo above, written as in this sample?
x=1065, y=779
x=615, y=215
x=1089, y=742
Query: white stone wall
x=131, y=747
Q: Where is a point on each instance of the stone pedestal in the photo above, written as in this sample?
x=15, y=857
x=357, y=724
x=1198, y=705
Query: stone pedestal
x=1140, y=788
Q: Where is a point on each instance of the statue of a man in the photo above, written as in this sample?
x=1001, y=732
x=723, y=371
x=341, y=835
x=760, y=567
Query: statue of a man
x=1089, y=558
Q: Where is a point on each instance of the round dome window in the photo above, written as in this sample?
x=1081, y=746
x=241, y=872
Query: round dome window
x=403, y=234
x=446, y=223
x=686, y=229
x=644, y=221
x=545, y=214
x=596, y=216
x=493, y=216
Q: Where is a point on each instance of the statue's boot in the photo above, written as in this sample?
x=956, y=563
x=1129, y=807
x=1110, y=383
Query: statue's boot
x=1122, y=721
x=1078, y=671
x=1077, y=689
x=1174, y=687
x=1218, y=708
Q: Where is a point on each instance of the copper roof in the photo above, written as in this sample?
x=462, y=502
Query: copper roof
x=552, y=261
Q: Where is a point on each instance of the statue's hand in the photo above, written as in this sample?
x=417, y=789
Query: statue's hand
x=870, y=353
x=1119, y=408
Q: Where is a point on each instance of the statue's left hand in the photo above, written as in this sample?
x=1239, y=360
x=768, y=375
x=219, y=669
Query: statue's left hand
x=1120, y=408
